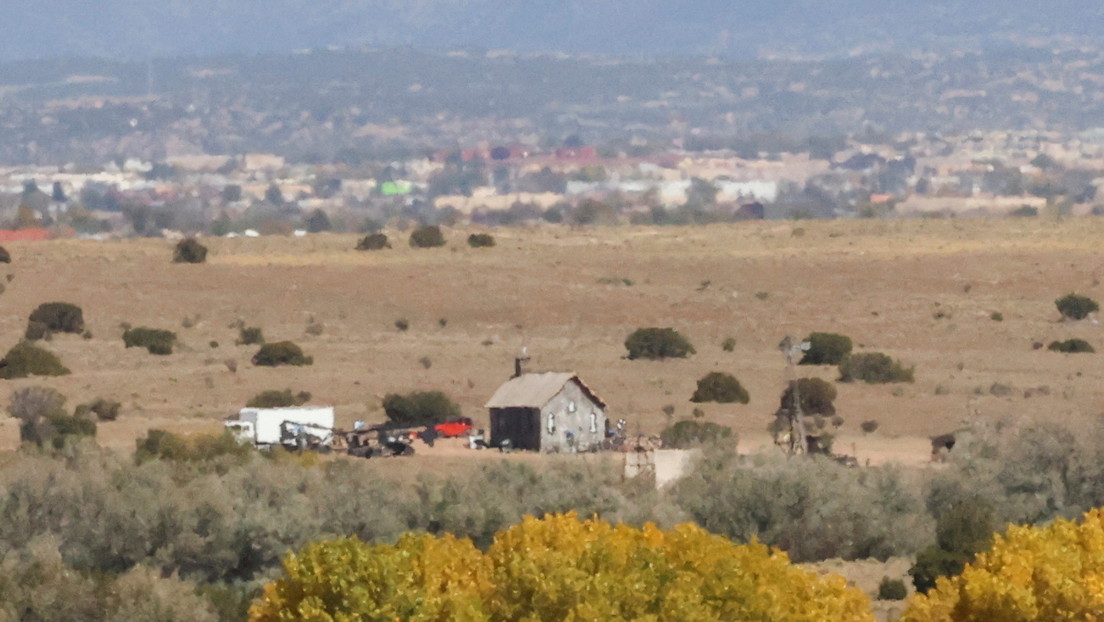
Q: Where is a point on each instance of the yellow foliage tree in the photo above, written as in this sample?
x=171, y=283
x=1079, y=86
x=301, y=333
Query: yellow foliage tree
x=1053, y=573
x=557, y=568
x=420, y=578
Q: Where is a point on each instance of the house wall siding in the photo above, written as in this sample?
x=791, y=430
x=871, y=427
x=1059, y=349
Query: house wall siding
x=584, y=436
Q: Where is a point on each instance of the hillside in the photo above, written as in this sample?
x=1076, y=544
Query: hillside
x=118, y=28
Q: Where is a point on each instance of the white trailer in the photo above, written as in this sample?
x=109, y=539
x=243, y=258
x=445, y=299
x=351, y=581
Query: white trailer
x=296, y=426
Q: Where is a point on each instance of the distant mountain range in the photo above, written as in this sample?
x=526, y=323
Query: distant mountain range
x=137, y=29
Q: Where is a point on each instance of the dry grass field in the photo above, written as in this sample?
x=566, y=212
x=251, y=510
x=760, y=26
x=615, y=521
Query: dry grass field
x=920, y=290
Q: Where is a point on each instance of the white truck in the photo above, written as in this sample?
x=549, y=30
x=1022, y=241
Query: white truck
x=298, y=427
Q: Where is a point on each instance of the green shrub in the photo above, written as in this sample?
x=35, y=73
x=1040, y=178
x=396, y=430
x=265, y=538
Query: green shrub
x=873, y=368
x=420, y=408
x=159, y=444
x=249, y=336
x=189, y=251
x=281, y=353
x=402, y=324
x=373, y=242
x=720, y=387
x=1071, y=346
x=58, y=317
x=105, y=410
x=5, y=256
x=25, y=360
x=961, y=532
x=657, y=343
x=154, y=340
x=996, y=316
x=481, y=240
x=1075, y=307
x=826, y=349
x=892, y=589
x=817, y=397
x=690, y=433
x=427, y=237
x=869, y=426
x=36, y=331
x=729, y=344
x=63, y=427
x=274, y=398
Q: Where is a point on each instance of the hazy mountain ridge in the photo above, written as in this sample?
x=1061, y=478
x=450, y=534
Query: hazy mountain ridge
x=125, y=28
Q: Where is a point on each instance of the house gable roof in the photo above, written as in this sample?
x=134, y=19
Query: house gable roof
x=536, y=390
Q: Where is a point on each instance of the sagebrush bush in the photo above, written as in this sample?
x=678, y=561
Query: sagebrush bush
x=1075, y=307
x=189, y=251
x=25, y=359
x=826, y=349
x=481, y=240
x=373, y=242
x=1071, y=346
x=105, y=410
x=691, y=433
x=873, y=368
x=154, y=340
x=275, y=398
x=817, y=397
x=419, y=408
x=720, y=387
x=250, y=336
x=281, y=353
x=729, y=344
x=58, y=317
x=657, y=343
x=809, y=508
x=43, y=420
x=427, y=237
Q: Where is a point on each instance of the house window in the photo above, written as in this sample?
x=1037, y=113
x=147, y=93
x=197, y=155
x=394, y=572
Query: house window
x=551, y=422
x=593, y=422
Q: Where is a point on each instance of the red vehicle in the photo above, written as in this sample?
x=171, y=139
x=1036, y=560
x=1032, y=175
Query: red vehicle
x=454, y=428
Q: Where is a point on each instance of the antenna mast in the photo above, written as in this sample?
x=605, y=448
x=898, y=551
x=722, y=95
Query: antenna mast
x=790, y=348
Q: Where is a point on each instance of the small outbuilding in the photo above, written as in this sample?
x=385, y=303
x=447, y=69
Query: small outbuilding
x=547, y=412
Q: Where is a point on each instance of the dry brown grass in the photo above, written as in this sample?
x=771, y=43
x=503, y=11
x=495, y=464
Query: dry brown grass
x=878, y=281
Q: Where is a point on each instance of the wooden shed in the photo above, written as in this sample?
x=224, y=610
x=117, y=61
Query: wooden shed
x=547, y=412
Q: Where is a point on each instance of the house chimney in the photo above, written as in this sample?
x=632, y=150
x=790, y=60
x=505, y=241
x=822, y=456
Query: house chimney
x=519, y=361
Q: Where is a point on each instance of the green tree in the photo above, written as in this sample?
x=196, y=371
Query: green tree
x=720, y=387
x=1031, y=573
x=1075, y=307
x=826, y=349
x=657, y=343
x=419, y=408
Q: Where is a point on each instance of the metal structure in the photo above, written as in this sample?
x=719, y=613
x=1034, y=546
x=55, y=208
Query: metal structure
x=798, y=441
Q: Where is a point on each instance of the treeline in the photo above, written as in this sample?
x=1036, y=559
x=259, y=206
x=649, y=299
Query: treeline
x=215, y=524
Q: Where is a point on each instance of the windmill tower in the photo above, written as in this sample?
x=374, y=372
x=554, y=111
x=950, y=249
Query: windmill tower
x=798, y=441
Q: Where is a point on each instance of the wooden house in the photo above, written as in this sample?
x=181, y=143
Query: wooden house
x=547, y=412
